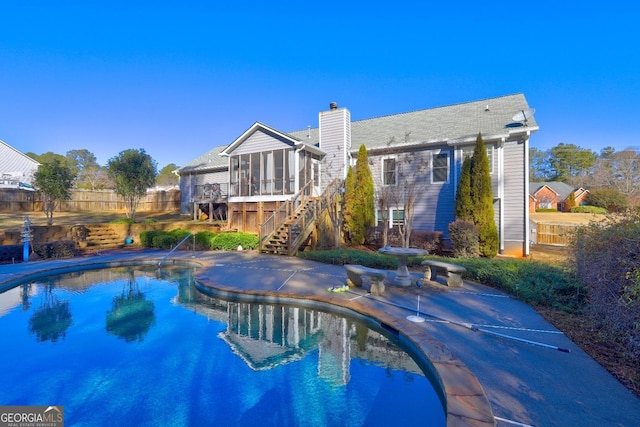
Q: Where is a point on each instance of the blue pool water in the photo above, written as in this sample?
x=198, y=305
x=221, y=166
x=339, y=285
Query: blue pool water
x=136, y=346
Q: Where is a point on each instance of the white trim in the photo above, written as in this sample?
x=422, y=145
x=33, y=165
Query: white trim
x=527, y=231
x=501, y=215
x=431, y=156
x=382, y=170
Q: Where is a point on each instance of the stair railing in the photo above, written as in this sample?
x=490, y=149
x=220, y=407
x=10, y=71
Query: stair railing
x=283, y=213
x=178, y=245
x=306, y=222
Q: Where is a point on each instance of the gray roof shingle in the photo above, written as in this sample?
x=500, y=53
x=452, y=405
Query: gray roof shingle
x=434, y=125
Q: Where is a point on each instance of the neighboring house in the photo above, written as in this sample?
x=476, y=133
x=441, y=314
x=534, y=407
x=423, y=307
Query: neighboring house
x=16, y=168
x=421, y=150
x=554, y=195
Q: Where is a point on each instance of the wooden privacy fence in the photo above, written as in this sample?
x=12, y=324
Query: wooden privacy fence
x=15, y=200
x=554, y=234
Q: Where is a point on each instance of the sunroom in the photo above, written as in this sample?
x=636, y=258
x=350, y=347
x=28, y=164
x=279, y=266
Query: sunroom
x=266, y=168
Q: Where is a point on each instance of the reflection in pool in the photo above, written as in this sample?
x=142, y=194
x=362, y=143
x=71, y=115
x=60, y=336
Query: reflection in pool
x=139, y=346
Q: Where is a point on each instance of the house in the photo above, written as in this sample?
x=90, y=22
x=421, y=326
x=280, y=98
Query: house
x=16, y=168
x=554, y=195
x=265, y=170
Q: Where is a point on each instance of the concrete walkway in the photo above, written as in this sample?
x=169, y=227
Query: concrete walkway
x=498, y=361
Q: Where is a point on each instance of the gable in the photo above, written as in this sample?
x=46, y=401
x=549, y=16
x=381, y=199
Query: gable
x=16, y=164
x=260, y=140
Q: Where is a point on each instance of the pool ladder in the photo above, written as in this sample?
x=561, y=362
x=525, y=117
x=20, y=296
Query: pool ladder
x=177, y=246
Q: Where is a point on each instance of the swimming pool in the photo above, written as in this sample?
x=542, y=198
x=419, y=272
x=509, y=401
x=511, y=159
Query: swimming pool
x=136, y=345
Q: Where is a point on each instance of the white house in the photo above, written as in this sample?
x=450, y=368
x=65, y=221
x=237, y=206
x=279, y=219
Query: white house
x=253, y=176
x=16, y=168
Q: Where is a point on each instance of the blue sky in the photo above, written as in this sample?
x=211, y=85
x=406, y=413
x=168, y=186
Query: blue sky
x=179, y=78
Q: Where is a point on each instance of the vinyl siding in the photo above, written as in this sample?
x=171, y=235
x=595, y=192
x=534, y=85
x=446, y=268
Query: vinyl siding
x=434, y=206
x=261, y=141
x=189, y=181
x=335, y=141
x=514, y=192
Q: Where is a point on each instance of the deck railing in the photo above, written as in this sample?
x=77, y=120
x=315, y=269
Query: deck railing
x=300, y=228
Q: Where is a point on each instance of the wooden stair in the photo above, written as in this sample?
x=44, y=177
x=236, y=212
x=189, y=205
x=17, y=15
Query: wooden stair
x=102, y=236
x=278, y=243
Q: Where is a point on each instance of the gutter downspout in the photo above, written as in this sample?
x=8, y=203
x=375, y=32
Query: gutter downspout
x=501, y=192
x=527, y=231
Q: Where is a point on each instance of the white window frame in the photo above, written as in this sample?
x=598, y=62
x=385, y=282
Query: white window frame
x=384, y=171
x=433, y=156
x=392, y=221
x=468, y=152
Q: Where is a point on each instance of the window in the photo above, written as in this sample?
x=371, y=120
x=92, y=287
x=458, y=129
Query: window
x=468, y=152
x=266, y=173
x=389, y=171
x=397, y=217
x=440, y=167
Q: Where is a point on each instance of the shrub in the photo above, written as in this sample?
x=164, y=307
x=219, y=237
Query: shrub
x=588, y=209
x=465, y=238
x=608, y=198
x=11, y=252
x=164, y=241
x=231, y=241
x=546, y=210
x=533, y=282
x=146, y=237
x=606, y=259
x=429, y=240
x=59, y=249
x=203, y=239
x=356, y=256
x=179, y=234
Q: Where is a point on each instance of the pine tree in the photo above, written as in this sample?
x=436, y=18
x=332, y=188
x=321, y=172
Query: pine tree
x=482, y=200
x=464, y=205
x=359, y=200
x=349, y=204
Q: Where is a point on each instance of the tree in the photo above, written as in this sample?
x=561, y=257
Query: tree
x=384, y=196
x=50, y=157
x=359, y=200
x=538, y=165
x=166, y=177
x=482, y=200
x=569, y=161
x=350, y=206
x=88, y=171
x=626, y=172
x=464, y=205
x=571, y=201
x=54, y=180
x=133, y=172
x=608, y=198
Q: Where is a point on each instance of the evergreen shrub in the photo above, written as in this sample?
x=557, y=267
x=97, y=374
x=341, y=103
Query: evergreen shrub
x=58, y=249
x=465, y=238
x=231, y=241
x=588, y=209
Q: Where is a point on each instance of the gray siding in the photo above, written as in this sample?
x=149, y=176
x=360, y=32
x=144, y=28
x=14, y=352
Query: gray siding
x=514, y=192
x=261, y=141
x=335, y=141
x=189, y=181
x=434, y=205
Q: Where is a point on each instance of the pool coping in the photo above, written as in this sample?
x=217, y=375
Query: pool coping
x=465, y=401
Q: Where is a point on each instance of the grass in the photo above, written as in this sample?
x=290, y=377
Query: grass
x=536, y=283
